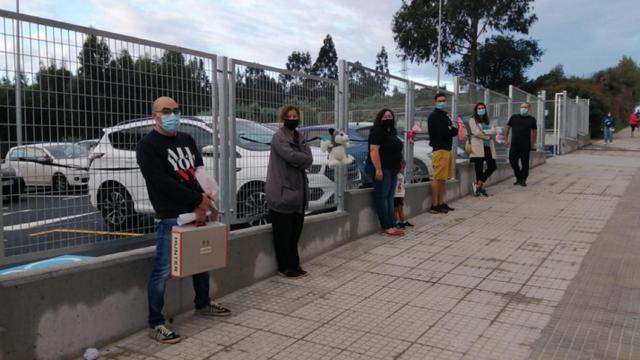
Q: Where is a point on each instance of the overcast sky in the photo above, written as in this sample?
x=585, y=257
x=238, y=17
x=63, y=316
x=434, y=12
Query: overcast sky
x=584, y=36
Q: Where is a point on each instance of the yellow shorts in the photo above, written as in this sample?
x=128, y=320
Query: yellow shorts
x=442, y=165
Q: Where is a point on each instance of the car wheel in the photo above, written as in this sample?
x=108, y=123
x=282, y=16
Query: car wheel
x=252, y=204
x=17, y=191
x=420, y=171
x=59, y=184
x=116, y=207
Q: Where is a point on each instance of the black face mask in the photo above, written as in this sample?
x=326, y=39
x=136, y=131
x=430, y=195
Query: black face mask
x=388, y=124
x=291, y=124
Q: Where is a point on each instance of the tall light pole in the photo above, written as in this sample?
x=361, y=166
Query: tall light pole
x=439, y=40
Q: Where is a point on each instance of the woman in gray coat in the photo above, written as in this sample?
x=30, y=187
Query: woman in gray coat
x=287, y=190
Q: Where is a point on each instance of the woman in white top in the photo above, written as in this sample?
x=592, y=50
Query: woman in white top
x=483, y=147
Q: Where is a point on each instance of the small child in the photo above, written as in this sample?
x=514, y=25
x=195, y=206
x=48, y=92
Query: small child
x=398, y=199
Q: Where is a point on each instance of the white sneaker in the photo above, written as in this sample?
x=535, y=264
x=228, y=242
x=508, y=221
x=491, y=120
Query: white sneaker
x=163, y=335
x=475, y=189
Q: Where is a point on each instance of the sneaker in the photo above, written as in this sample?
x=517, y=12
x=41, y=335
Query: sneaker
x=213, y=309
x=445, y=206
x=483, y=192
x=400, y=225
x=289, y=273
x=523, y=183
x=406, y=223
x=163, y=335
x=441, y=209
x=517, y=182
x=301, y=272
x=434, y=210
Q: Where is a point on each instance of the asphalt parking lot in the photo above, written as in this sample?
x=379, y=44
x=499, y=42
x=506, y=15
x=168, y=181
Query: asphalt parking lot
x=42, y=220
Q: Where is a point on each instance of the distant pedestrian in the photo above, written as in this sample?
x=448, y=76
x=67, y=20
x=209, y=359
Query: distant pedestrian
x=482, y=147
x=633, y=121
x=524, y=132
x=607, y=125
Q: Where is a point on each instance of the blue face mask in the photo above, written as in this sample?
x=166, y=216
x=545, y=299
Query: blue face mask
x=482, y=112
x=442, y=106
x=524, y=111
x=170, y=122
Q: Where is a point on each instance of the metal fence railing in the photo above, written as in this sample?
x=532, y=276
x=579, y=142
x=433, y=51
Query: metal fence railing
x=258, y=93
x=571, y=121
x=75, y=101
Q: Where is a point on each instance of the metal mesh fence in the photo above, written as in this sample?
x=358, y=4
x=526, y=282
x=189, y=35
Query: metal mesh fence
x=369, y=92
x=260, y=92
x=85, y=101
x=75, y=102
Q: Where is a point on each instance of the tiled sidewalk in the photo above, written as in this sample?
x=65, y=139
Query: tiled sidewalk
x=483, y=282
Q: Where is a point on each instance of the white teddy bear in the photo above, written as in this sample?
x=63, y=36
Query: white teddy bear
x=337, y=148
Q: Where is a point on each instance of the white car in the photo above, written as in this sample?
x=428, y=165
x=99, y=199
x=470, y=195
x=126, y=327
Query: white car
x=59, y=165
x=118, y=190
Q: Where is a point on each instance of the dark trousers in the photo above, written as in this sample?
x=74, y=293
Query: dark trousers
x=517, y=155
x=479, y=165
x=286, y=233
x=160, y=274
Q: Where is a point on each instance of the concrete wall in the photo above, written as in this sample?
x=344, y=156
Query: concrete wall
x=56, y=314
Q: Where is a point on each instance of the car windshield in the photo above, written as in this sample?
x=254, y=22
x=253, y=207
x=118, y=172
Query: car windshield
x=253, y=136
x=70, y=151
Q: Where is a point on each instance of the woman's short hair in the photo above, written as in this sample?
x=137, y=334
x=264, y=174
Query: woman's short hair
x=285, y=110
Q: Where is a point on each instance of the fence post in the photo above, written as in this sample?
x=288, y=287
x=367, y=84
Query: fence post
x=510, y=104
x=215, y=104
x=223, y=116
x=454, y=119
x=408, y=124
x=18, y=78
x=231, y=134
x=487, y=100
x=1, y=234
x=341, y=122
x=542, y=97
x=565, y=110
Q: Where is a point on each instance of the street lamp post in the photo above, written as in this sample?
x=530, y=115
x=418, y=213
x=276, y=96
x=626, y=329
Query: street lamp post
x=439, y=40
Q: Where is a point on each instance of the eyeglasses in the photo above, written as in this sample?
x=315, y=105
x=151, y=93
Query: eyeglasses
x=169, y=111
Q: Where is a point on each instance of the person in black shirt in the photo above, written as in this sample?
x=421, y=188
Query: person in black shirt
x=524, y=131
x=168, y=160
x=441, y=133
x=383, y=164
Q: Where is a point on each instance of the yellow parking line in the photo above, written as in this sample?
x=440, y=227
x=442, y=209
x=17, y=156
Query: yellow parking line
x=91, y=232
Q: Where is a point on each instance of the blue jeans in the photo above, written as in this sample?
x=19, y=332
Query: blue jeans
x=383, y=192
x=608, y=134
x=160, y=275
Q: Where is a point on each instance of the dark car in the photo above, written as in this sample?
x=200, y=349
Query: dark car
x=12, y=183
x=358, y=134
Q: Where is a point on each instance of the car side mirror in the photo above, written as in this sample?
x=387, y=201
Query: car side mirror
x=208, y=150
x=44, y=159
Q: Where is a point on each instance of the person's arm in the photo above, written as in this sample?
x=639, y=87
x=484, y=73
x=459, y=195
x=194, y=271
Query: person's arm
x=283, y=148
x=453, y=128
x=506, y=135
x=375, y=159
x=151, y=167
x=307, y=150
x=476, y=131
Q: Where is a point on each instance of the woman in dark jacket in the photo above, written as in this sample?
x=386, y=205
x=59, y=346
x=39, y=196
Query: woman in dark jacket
x=287, y=190
x=383, y=164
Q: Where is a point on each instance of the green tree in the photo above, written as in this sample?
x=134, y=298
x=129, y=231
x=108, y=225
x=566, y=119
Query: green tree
x=326, y=64
x=415, y=26
x=382, y=66
x=502, y=61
